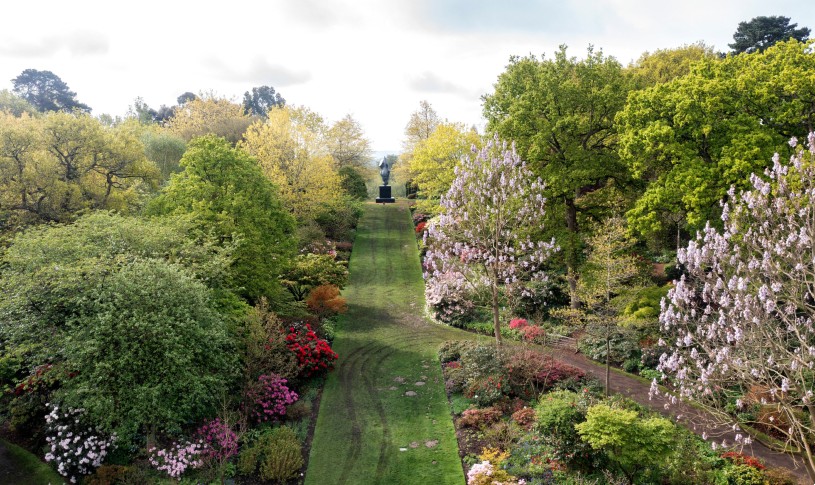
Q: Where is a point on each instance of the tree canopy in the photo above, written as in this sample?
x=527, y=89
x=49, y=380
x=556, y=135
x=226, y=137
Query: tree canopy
x=694, y=137
x=225, y=191
x=560, y=113
x=261, y=99
x=762, y=32
x=46, y=92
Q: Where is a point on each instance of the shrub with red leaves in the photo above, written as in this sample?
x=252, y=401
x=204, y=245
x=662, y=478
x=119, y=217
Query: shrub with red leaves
x=742, y=459
x=478, y=418
x=314, y=355
x=525, y=417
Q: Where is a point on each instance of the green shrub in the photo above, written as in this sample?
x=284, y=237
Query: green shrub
x=624, y=345
x=557, y=414
x=277, y=454
x=481, y=361
x=451, y=350
x=780, y=476
x=741, y=475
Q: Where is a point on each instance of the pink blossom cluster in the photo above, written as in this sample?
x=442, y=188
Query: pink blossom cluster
x=271, y=397
x=220, y=441
x=481, y=236
x=178, y=458
x=743, y=313
x=74, y=448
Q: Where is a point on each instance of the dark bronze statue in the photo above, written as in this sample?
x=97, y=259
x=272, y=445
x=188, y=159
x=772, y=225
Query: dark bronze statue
x=384, y=170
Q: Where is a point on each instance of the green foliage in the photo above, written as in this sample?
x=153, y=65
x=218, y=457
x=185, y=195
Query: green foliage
x=433, y=162
x=664, y=65
x=276, y=454
x=740, y=475
x=339, y=218
x=149, y=350
x=560, y=113
x=46, y=92
x=693, y=138
x=262, y=345
x=308, y=271
x=226, y=194
x=631, y=442
x=353, y=183
x=452, y=349
x=165, y=150
x=644, y=306
x=762, y=32
x=15, y=105
x=624, y=344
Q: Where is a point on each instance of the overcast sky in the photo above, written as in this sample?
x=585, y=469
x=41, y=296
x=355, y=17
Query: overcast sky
x=373, y=59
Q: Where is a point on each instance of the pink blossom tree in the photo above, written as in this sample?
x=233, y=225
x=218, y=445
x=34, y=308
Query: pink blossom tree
x=483, y=237
x=740, y=322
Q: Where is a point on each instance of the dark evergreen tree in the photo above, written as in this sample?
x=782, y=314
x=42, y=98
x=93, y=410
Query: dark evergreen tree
x=261, y=99
x=762, y=32
x=46, y=92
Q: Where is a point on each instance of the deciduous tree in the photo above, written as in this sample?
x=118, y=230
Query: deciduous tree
x=346, y=142
x=694, y=137
x=560, y=112
x=481, y=236
x=226, y=193
x=209, y=115
x=740, y=322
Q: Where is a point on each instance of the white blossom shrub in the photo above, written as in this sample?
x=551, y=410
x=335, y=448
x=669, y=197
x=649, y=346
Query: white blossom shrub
x=740, y=322
x=73, y=447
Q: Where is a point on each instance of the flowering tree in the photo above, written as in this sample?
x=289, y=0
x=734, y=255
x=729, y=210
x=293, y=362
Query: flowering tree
x=740, y=322
x=482, y=236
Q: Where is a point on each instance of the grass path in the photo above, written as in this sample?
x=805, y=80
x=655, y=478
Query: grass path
x=384, y=416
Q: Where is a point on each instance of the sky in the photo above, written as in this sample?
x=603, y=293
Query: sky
x=373, y=59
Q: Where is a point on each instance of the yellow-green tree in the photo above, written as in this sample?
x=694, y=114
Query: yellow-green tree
x=346, y=142
x=54, y=166
x=664, y=65
x=290, y=147
x=209, y=114
x=432, y=166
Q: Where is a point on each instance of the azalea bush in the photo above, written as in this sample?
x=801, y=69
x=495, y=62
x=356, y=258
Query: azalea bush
x=270, y=397
x=314, y=355
x=178, y=458
x=74, y=448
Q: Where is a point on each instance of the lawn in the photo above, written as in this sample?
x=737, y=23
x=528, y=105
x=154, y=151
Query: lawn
x=384, y=417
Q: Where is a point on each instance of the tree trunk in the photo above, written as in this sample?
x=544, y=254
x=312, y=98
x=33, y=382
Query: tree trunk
x=608, y=361
x=496, y=321
x=571, y=256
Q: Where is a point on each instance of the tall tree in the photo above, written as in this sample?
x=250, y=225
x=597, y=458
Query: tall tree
x=432, y=167
x=694, y=137
x=46, y=92
x=560, y=112
x=290, y=147
x=16, y=105
x=261, y=99
x=185, y=98
x=762, y=32
x=209, y=114
x=741, y=320
x=226, y=193
x=665, y=65
x=482, y=235
x=346, y=142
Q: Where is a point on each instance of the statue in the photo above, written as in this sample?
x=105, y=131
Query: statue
x=384, y=170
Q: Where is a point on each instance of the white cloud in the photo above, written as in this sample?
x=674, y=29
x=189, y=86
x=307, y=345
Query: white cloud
x=78, y=43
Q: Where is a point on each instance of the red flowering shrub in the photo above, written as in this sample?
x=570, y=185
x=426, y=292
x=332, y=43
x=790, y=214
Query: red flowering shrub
x=518, y=323
x=314, y=355
x=742, y=459
x=533, y=334
x=478, y=418
x=420, y=227
x=487, y=389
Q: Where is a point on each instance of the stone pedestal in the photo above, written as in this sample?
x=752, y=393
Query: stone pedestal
x=385, y=195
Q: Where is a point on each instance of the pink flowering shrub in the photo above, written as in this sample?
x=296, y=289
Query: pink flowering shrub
x=178, y=458
x=270, y=397
x=518, y=323
x=74, y=448
x=220, y=441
